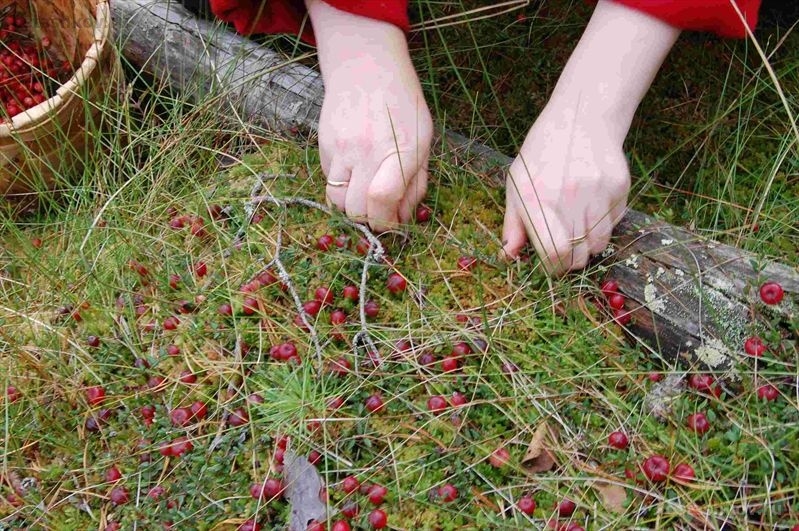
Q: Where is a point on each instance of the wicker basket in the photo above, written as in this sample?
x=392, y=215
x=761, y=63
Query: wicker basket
x=48, y=143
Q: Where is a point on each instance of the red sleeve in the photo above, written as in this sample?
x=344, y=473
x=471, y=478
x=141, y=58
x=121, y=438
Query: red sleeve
x=718, y=16
x=287, y=16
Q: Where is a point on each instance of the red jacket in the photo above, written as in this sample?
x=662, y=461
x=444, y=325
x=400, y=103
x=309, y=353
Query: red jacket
x=286, y=16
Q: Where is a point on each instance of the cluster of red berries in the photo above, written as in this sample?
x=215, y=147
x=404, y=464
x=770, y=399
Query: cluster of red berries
x=26, y=73
x=615, y=301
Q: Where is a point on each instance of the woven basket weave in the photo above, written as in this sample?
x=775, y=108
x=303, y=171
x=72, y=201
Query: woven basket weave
x=48, y=143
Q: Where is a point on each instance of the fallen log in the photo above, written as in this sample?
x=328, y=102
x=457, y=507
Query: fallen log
x=690, y=298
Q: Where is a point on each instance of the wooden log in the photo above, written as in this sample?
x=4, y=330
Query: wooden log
x=691, y=299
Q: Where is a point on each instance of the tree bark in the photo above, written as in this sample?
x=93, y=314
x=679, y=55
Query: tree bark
x=691, y=299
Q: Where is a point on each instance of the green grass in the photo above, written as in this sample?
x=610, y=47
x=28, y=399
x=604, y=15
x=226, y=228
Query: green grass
x=707, y=163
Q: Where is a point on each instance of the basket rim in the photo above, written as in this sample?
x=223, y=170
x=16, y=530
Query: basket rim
x=43, y=112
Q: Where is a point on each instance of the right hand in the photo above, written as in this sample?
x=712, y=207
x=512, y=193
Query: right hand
x=375, y=128
x=566, y=189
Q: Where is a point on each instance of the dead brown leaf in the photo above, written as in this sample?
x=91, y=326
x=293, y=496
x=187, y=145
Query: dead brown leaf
x=613, y=496
x=539, y=458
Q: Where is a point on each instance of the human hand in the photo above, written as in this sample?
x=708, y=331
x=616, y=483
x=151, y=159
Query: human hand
x=565, y=190
x=568, y=187
x=375, y=129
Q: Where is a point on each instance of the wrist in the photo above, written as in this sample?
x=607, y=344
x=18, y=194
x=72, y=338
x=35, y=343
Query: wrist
x=344, y=38
x=613, y=66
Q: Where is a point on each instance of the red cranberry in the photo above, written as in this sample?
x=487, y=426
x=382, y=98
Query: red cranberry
x=461, y=349
x=374, y=403
x=225, y=309
x=378, y=519
x=172, y=350
x=325, y=242
x=113, y=474
x=396, y=283
x=427, y=358
x=371, y=309
x=566, y=508
x=156, y=492
x=339, y=367
x=199, y=410
x=448, y=493
x=200, y=269
x=270, y=489
x=338, y=317
x=13, y=394
x=312, y=308
x=238, y=417
x=466, y=263
x=119, y=495
x=350, y=509
x=95, y=395
x=704, y=383
x=767, y=392
x=314, y=457
x=351, y=293
x=377, y=494
x=139, y=268
x=362, y=247
x=618, y=440
x=450, y=364
x=499, y=457
x=156, y=382
x=180, y=416
x=436, y=403
x=622, y=317
x=423, y=213
x=771, y=293
x=526, y=504
x=656, y=468
x=459, y=399
x=250, y=525
x=176, y=447
x=324, y=295
x=616, y=301
x=350, y=484
x=684, y=472
x=341, y=525
x=698, y=423
x=93, y=341
x=188, y=377
x=335, y=403
x=342, y=241
x=250, y=305
x=754, y=346
x=148, y=412
x=171, y=323
x=609, y=287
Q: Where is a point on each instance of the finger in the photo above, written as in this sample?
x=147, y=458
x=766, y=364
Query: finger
x=355, y=203
x=600, y=227
x=550, y=238
x=579, y=255
x=514, y=234
x=617, y=212
x=416, y=191
x=339, y=173
x=386, y=191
